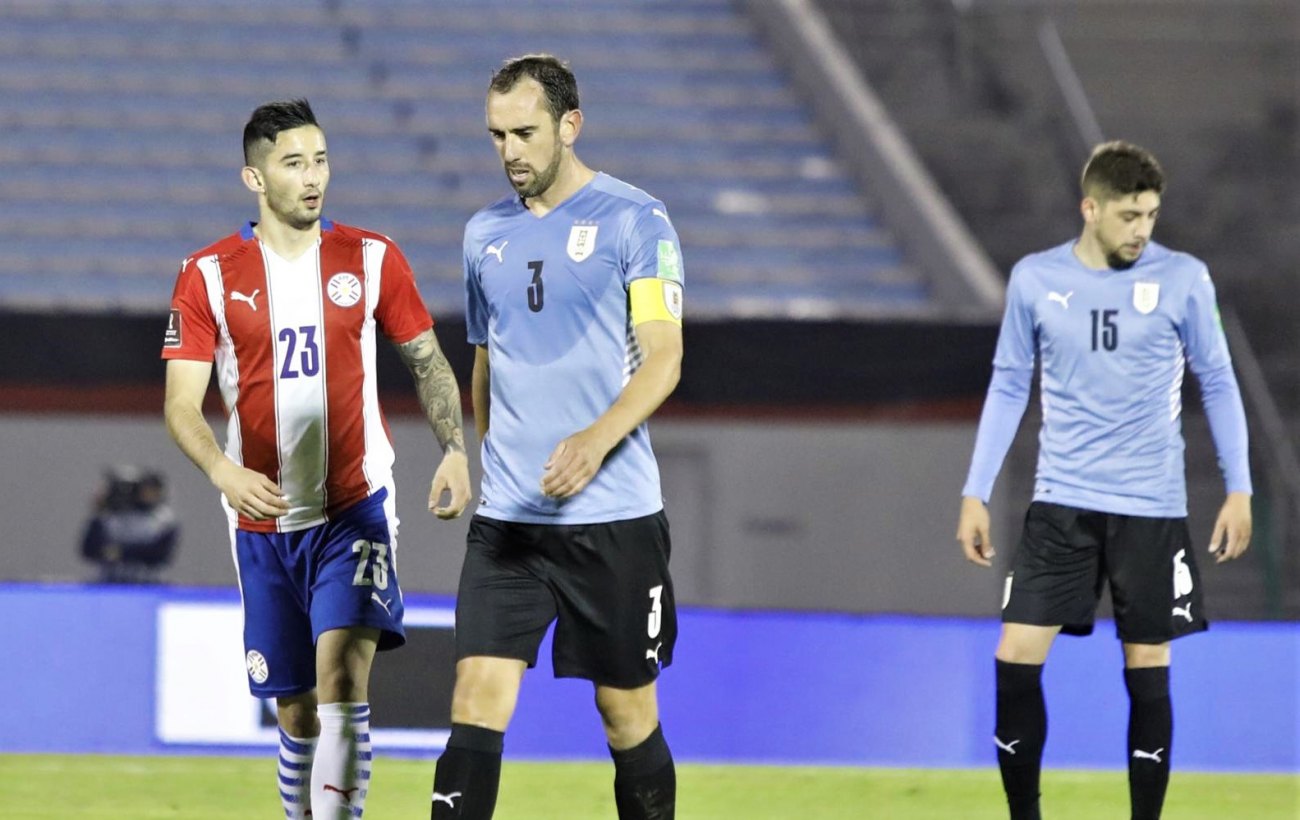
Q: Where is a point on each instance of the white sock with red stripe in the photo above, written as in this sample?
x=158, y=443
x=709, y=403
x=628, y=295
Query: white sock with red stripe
x=295, y=775
x=340, y=776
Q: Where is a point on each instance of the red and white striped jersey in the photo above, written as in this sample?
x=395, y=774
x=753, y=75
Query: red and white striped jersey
x=293, y=342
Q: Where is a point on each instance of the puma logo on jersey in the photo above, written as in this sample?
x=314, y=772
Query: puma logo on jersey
x=653, y=654
x=347, y=793
x=498, y=252
x=449, y=799
x=236, y=296
x=1138, y=754
x=661, y=214
x=1009, y=748
x=1053, y=296
x=374, y=596
x=1185, y=611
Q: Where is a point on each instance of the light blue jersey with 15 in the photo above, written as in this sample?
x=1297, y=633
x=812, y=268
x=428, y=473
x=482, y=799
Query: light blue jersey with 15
x=548, y=297
x=1112, y=345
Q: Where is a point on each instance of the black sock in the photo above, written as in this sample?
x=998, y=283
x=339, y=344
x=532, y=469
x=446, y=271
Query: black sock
x=1150, y=736
x=645, y=781
x=468, y=774
x=1020, y=734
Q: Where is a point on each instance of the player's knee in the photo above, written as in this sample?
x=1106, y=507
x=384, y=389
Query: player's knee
x=342, y=684
x=628, y=716
x=629, y=733
x=484, y=696
x=1011, y=650
x=297, y=716
x=1025, y=644
x=1141, y=655
x=1018, y=653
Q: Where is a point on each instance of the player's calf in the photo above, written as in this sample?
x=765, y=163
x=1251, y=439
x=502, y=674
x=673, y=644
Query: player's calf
x=340, y=776
x=645, y=780
x=468, y=776
x=1150, y=738
x=294, y=772
x=1020, y=733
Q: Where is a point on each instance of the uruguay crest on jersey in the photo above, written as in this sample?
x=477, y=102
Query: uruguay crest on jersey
x=1146, y=295
x=582, y=241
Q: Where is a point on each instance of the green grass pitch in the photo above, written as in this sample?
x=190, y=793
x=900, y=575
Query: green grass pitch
x=243, y=788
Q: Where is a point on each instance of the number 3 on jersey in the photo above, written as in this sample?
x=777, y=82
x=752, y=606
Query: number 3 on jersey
x=535, y=293
x=378, y=575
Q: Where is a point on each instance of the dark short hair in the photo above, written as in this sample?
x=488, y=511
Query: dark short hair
x=551, y=73
x=1119, y=168
x=269, y=120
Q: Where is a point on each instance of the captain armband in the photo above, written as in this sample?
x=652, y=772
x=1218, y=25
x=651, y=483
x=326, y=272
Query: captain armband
x=655, y=299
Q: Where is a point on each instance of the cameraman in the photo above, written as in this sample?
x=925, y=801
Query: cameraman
x=133, y=531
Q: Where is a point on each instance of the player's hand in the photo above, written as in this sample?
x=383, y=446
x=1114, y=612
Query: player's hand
x=249, y=493
x=1232, y=528
x=573, y=464
x=973, y=532
x=452, y=477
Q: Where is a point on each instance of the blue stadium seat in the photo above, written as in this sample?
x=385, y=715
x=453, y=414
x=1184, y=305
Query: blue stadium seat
x=122, y=124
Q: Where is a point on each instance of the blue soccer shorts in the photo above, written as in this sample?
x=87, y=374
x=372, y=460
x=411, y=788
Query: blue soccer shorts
x=297, y=585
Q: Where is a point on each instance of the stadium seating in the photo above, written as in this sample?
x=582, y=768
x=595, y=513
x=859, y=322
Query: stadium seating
x=122, y=124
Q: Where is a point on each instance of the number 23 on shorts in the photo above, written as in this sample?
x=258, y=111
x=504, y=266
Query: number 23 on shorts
x=372, y=555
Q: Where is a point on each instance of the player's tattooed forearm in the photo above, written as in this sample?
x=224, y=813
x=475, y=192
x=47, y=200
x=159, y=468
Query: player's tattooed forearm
x=435, y=386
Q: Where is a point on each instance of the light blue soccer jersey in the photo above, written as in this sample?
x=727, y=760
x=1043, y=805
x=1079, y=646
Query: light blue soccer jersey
x=1112, y=346
x=548, y=296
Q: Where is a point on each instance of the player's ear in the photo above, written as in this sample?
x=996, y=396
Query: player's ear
x=570, y=126
x=1089, y=208
x=252, y=179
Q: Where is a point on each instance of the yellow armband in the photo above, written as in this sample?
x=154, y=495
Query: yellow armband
x=654, y=298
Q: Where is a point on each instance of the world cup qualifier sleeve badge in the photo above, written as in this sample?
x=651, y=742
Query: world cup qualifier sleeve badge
x=1146, y=295
x=172, y=336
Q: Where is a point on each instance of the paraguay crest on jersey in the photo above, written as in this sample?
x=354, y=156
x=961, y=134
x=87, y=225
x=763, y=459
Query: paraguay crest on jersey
x=344, y=289
x=1146, y=295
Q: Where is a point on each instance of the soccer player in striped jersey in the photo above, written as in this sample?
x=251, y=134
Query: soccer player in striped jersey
x=574, y=294
x=1112, y=318
x=288, y=309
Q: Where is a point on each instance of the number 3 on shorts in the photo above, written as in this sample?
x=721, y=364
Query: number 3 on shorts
x=378, y=568
x=655, y=621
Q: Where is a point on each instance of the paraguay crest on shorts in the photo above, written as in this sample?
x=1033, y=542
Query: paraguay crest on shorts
x=582, y=241
x=1146, y=295
x=257, y=668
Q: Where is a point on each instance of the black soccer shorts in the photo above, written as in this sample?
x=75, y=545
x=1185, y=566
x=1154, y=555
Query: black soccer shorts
x=1066, y=554
x=606, y=586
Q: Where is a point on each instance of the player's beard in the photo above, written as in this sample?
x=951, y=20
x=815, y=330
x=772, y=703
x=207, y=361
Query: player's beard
x=542, y=180
x=1115, y=253
x=1117, y=261
x=295, y=213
